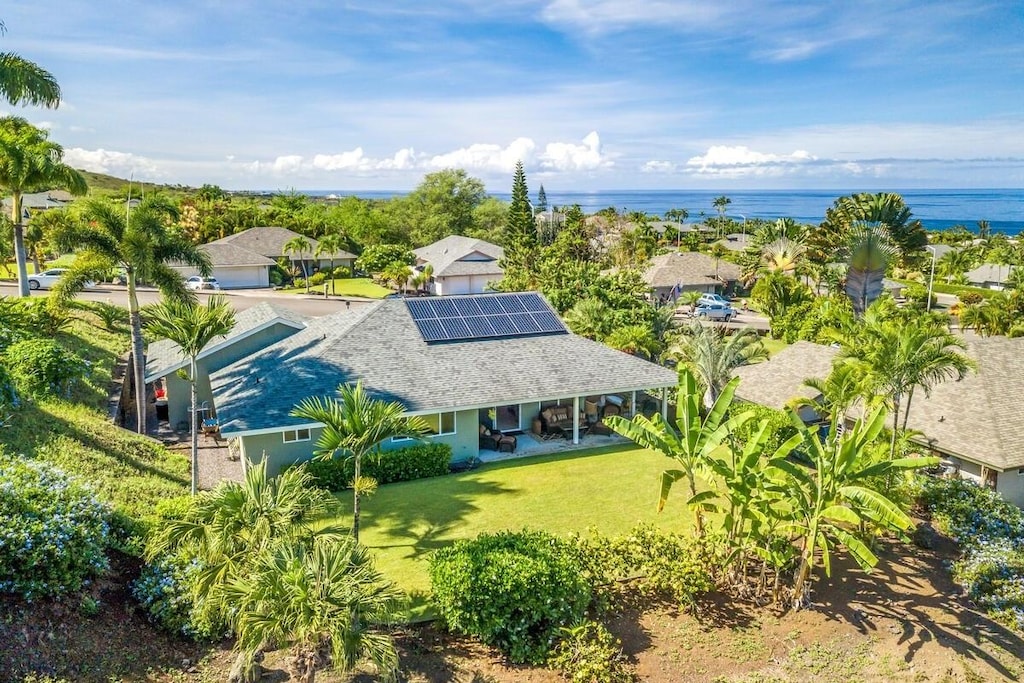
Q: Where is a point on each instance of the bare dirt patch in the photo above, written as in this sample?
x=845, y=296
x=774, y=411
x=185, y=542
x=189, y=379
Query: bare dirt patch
x=906, y=621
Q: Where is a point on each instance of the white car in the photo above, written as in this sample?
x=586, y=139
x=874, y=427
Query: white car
x=708, y=298
x=197, y=282
x=49, y=278
x=723, y=312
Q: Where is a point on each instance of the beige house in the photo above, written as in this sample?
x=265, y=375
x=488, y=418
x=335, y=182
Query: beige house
x=688, y=271
x=461, y=265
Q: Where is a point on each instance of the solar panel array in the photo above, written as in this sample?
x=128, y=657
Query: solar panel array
x=483, y=316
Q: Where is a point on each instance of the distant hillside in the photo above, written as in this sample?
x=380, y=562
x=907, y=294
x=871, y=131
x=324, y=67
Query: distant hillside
x=109, y=183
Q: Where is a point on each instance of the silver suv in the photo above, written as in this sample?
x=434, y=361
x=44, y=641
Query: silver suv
x=708, y=298
x=723, y=312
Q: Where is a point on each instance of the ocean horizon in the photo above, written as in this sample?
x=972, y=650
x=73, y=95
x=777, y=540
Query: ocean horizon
x=936, y=209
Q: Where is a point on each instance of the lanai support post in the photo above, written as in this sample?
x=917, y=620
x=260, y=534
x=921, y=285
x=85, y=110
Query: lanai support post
x=575, y=419
x=664, y=403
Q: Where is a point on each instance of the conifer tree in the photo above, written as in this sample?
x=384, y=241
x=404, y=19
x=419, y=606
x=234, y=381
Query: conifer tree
x=520, y=238
x=542, y=199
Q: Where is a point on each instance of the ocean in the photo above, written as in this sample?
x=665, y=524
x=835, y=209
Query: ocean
x=937, y=209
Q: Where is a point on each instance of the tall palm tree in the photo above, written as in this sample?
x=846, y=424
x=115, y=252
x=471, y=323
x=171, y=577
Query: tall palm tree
x=29, y=162
x=355, y=425
x=25, y=82
x=38, y=231
x=955, y=263
x=783, y=255
x=142, y=244
x=192, y=327
x=721, y=204
x=330, y=245
x=717, y=251
x=870, y=250
x=712, y=355
x=298, y=245
x=325, y=596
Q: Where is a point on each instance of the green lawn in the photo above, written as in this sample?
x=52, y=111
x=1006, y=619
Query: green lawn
x=349, y=286
x=611, y=489
x=773, y=346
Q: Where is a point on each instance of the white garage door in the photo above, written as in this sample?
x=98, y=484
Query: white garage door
x=241, y=277
x=457, y=285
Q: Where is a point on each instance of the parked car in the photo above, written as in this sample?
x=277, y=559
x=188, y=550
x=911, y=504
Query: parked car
x=723, y=312
x=708, y=298
x=49, y=278
x=198, y=282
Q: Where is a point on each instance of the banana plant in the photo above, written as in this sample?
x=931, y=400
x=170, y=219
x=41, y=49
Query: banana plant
x=690, y=440
x=841, y=492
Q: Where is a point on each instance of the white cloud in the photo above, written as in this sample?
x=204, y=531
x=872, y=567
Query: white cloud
x=596, y=16
x=565, y=156
x=658, y=166
x=487, y=157
x=121, y=164
x=739, y=160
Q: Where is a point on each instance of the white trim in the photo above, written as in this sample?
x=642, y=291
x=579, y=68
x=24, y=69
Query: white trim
x=298, y=438
x=227, y=433
x=225, y=344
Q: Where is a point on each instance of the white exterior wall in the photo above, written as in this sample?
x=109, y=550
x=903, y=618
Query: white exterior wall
x=463, y=284
x=234, y=277
x=1010, y=486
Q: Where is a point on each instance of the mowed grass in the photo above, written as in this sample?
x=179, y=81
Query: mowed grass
x=773, y=346
x=349, y=286
x=610, y=489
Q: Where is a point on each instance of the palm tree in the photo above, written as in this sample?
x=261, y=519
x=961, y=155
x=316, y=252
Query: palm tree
x=324, y=596
x=870, y=250
x=397, y=273
x=783, y=255
x=844, y=386
x=39, y=229
x=330, y=244
x=954, y=263
x=356, y=424
x=721, y=204
x=29, y=161
x=843, y=490
x=590, y=317
x=142, y=244
x=711, y=355
x=637, y=340
x=690, y=298
x=298, y=245
x=717, y=251
x=690, y=440
x=192, y=327
x=25, y=82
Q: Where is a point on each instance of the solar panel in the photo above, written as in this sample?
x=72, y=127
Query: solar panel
x=486, y=316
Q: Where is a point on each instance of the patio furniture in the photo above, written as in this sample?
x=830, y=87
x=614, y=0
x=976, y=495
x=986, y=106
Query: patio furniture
x=507, y=444
x=600, y=429
x=488, y=439
x=558, y=419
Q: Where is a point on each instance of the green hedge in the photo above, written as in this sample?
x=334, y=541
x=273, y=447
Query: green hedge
x=957, y=290
x=403, y=464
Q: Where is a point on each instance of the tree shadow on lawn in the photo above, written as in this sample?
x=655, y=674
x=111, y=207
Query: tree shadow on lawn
x=913, y=588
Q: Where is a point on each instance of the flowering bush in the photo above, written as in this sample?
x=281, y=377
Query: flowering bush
x=42, y=366
x=166, y=590
x=53, y=530
x=511, y=590
x=990, y=532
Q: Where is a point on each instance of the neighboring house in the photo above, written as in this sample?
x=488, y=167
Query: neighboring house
x=255, y=329
x=40, y=201
x=690, y=271
x=976, y=424
x=266, y=242
x=234, y=267
x=989, y=275
x=778, y=381
x=461, y=265
x=502, y=380
x=737, y=241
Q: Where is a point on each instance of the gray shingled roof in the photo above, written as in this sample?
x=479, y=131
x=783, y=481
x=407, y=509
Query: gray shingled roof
x=269, y=241
x=448, y=255
x=780, y=379
x=164, y=356
x=989, y=272
x=688, y=269
x=980, y=417
x=224, y=255
x=381, y=345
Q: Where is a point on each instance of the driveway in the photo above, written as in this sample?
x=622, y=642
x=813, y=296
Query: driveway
x=241, y=298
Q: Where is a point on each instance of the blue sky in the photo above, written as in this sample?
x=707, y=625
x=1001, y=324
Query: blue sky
x=590, y=94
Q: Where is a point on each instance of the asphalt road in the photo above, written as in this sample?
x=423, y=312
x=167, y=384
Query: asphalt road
x=241, y=299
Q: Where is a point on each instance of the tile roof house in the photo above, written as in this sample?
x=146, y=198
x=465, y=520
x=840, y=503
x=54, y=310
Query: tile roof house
x=254, y=329
x=244, y=260
x=457, y=384
x=690, y=270
x=977, y=423
x=461, y=265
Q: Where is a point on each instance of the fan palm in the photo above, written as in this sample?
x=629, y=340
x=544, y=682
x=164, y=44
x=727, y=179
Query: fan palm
x=356, y=424
x=870, y=250
x=783, y=255
x=298, y=245
x=712, y=355
x=29, y=161
x=324, y=596
x=141, y=243
x=192, y=327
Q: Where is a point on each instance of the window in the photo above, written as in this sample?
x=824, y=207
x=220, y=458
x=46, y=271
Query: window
x=440, y=424
x=293, y=435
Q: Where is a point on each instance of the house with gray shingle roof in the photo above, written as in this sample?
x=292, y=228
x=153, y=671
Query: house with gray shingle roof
x=690, y=271
x=461, y=265
x=458, y=385
x=255, y=328
x=989, y=275
x=976, y=423
x=233, y=266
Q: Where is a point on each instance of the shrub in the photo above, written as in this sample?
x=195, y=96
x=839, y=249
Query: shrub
x=42, y=366
x=917, y=296
x=166, y=589
x=47, y=317
x=299, y=282
x=53, y=530
x=111, y=316
x=402, y=464
x=588, y=653
x=342, y=272
x=780, y=426
x=512, y=590
x=277, y=276
x=317, y=279
x=8, y=394
x=971, y=298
